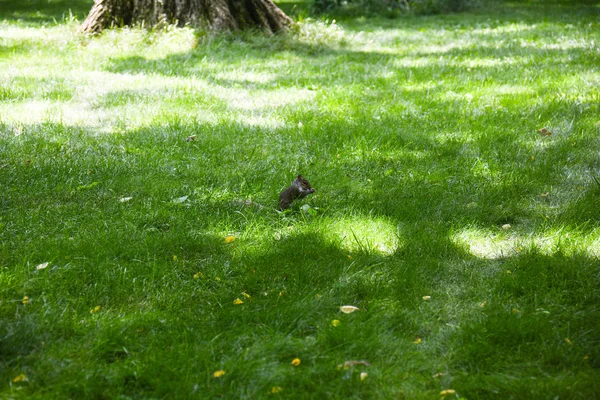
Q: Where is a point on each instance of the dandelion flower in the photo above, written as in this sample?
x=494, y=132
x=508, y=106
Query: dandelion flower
x=219, y=373
x=238, y=301
x=296, y=362
x=335, y=322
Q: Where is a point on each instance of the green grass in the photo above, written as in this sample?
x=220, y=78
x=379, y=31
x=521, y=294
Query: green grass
x=420, y=137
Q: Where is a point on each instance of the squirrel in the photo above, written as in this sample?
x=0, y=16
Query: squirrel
x=299, y=189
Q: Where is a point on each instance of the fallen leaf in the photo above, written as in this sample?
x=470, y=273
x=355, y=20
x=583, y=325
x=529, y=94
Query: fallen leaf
x=296, y=362
x=363, y=376
x=544, y=194
x=42, y=266
x=25, y=300
x=190, y=138
x=418, y=340
x=544, y=132
x=335, y=322
x=568, y=341
x=482, y=304
x=238, y=301
x=20, y=378
x=125, y=199
x=447, y=391
x=426, y=298
x=506, y=226
x=179, y=200
x=174, y=258
x=198, y=275
x=229, y=239
x=95, y=309
x=439, y=375
x=348, y=309
x=219, y=373
x=246, y=295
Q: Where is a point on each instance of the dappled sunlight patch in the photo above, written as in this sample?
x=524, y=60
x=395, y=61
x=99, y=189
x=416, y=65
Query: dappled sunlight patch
x=161, y=43
x=251, y=100
x=365, y=234
x=505, y=242
x=312, y=32
x=503, y=29
x=594, y=247
x=246, y=76
x=486, y=244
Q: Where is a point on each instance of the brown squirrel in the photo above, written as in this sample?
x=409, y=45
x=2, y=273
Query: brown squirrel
x=299, y=189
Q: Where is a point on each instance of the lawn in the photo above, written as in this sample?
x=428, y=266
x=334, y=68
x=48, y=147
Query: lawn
x=142, y=255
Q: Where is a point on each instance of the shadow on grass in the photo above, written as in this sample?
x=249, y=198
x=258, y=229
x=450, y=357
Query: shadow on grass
x=40, y=12
x=168, y=282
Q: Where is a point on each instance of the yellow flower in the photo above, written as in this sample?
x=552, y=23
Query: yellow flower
x=20, y=378
x=296, y=362
x=229, y=239
x=418, y=340
x=174, y=258
x=335, y=322
x=198, y=275
x=238, y=301
x=276, y=389
x=246, y=295
x=95, y=309
x=219, y=373
x=447, y=391
x=25, y=300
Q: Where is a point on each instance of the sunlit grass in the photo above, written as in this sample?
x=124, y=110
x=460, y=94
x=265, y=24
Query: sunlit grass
x=144, y=168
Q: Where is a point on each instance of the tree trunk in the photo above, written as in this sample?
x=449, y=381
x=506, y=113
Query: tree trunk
x=217, y=15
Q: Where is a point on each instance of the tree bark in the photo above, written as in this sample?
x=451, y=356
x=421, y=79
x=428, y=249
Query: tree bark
x=216, y=15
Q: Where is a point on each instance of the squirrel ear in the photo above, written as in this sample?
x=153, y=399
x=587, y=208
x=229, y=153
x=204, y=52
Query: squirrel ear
x=299, y=176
